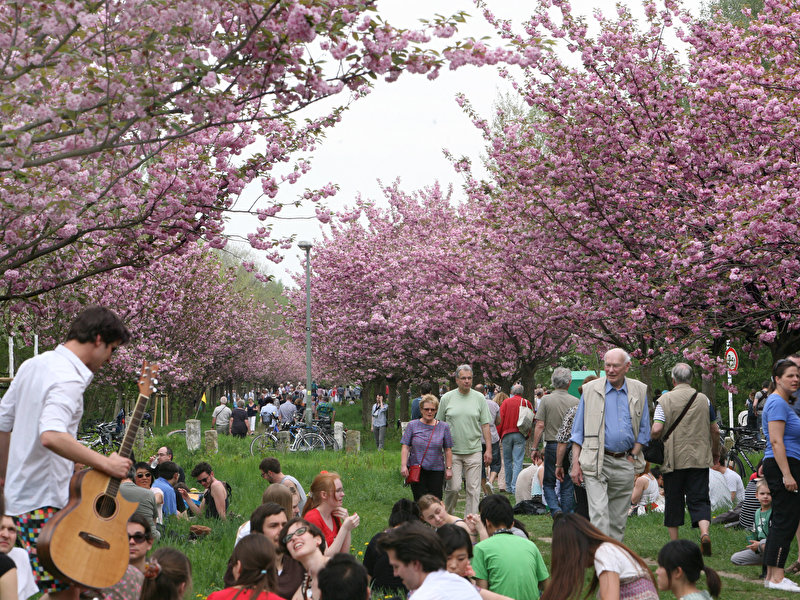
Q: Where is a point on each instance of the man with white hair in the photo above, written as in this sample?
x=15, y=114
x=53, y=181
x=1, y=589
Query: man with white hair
x=549, y=417
x=221, y=417
x=465, y=411
x=611, y=425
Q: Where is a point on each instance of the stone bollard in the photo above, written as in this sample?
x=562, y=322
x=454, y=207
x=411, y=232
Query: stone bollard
x=338, y=435
x=403, y=425
x=284, y=441
x=193, y=435
x=212, y=445
x=353, y=441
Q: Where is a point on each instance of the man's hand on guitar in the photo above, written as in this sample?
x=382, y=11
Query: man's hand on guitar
x=117, y=466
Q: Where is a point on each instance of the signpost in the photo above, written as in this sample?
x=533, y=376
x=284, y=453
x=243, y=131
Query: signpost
x=732, y=360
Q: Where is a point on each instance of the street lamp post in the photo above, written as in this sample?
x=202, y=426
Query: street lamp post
x=304, y=245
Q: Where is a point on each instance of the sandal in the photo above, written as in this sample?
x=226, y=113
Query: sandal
x=794, y=568
x=705, y=544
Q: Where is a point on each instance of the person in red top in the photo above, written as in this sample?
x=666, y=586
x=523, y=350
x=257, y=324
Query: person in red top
x=324, y=509
x=512, y=440
x=253, y=563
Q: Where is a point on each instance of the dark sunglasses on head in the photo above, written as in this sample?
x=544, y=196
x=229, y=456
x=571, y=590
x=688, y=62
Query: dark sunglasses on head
x=137, y=537
x=299, y=531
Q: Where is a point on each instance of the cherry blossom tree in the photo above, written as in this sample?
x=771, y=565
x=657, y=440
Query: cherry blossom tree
x=130, y=128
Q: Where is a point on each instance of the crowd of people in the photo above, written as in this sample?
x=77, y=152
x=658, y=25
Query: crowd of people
x=590, y=474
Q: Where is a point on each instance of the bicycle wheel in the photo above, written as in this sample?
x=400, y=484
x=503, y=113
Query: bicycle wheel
x=264, y=443
x=735, y=463
x=308, y=442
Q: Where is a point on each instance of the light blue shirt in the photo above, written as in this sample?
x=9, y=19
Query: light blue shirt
x=379, y=415
x=617, y=421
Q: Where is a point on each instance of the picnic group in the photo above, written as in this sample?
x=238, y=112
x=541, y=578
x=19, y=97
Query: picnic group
x=588, y=472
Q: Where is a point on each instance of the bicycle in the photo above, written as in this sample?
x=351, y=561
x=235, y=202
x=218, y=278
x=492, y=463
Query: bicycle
x=744, y=441
x=103, y=438
x=303, y=438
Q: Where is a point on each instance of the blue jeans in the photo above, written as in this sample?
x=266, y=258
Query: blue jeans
x=513, y=453
x=567, y=502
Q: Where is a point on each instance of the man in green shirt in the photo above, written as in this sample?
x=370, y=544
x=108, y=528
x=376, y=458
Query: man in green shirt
x=506, y=563
x=465, y=411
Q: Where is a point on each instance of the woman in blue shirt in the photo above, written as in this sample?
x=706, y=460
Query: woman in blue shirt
x=781, y=427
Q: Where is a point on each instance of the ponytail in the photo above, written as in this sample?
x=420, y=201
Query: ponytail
x=713, y=581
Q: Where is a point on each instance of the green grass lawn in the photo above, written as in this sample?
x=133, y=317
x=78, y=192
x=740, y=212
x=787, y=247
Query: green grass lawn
x=372, y=483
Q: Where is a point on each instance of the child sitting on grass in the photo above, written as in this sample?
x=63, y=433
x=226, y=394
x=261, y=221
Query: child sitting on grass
x=757, y=538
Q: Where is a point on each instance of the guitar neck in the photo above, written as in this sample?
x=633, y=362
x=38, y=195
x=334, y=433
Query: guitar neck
x=126, y=447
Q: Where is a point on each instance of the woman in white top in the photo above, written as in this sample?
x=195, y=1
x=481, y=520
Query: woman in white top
x=619, y=574
x=645, y=492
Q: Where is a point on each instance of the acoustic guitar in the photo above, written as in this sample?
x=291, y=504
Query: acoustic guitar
x=87, y=541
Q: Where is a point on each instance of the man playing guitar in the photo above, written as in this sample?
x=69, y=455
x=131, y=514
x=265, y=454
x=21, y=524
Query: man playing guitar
x=39, y=417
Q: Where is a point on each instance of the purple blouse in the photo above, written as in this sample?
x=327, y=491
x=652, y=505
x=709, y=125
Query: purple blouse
x=418, y=434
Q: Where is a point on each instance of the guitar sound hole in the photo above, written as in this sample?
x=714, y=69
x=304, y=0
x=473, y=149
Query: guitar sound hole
x=105, y=506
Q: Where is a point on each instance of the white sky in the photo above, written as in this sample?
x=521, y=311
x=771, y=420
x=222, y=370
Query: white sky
x=400, y=129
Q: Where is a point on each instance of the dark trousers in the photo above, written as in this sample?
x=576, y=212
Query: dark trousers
x=430, y=482
x=693, y=484
x=785, y=513
x=567, y=502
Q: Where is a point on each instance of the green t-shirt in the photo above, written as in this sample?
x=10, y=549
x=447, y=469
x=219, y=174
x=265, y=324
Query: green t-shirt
x=464, y=413
x=512, y=565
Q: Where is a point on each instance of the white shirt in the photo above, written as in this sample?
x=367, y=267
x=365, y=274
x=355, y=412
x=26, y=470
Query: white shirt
x=734, y=484
x=26, y=584
x=718, y=491
x=46, y=395
x=441, y=585
x=610, y=557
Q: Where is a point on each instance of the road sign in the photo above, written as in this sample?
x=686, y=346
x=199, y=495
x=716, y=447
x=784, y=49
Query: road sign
x=732, y=360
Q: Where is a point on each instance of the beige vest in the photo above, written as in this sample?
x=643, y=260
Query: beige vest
x=594, y=410
x=689, y=446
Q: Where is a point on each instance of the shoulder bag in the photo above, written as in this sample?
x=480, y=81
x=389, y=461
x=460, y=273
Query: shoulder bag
x=525, y=418
x=654, y=451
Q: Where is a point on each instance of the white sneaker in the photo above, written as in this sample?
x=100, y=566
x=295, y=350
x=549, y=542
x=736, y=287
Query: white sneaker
x=786, y=585
x=490, y=485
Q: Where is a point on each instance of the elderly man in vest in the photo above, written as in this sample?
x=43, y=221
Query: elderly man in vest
x=611, y=425
x=687, y=454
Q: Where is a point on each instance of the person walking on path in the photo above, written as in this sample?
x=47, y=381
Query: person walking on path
x=687, y=454
x=465, y=411
x=379, y=410
x=513, y=441
x=611, y=425
x=549, y=417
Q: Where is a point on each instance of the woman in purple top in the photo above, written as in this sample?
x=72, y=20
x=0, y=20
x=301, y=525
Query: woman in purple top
x=427, y=441
x=782, y=471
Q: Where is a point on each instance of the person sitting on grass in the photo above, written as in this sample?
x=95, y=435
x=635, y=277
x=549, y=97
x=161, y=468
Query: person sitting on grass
x=459, y=553
x=376, y=561
x=757, y=537
x=167, y=575
x=253, y=566
x=140, y=541
x=506, y=563
x=305, y=543
x=217, y=496
x=343, y=578
x=433, y=512
x=325, y=510
x=679, y=566
x=271, y=471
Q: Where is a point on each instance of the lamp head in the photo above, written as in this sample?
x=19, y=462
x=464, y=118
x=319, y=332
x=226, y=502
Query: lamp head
x=305, y=245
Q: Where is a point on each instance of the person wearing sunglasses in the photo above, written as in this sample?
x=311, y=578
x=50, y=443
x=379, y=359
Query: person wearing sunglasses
x=132, y=490
x=305, y=543
x=140, y=541
x=217, y=496
x=427, y=442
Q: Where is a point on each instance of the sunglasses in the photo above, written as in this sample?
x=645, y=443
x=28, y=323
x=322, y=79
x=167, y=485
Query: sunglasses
x=137, y=537
x=299, y=531
x=203, y=480
x=427, y=408
x=143, y=475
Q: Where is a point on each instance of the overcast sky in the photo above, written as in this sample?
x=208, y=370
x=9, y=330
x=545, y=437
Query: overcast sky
x=401, y=129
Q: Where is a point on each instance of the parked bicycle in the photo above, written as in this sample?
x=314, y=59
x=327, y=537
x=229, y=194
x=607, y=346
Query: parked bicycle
x=103, y=438
x=303, y=438
x=745, y=442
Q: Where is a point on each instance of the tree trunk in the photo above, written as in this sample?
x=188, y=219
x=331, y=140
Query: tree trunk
x=391, y=400
x=368, y=392
x=527, y=375
x=402, y=389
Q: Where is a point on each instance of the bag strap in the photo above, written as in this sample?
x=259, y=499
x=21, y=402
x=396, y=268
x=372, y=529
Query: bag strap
x=429, y=443
x=678, y=420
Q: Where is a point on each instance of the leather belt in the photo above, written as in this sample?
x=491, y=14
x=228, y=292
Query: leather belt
x=615, y=454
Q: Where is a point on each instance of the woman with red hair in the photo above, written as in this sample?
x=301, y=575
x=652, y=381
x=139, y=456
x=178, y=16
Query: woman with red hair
x=324, y=509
